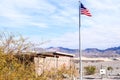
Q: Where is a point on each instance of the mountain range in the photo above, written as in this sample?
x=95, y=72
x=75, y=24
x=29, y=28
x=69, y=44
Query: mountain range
x=89, y=52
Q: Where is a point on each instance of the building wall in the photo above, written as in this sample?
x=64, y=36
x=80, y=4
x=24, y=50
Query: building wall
x=42, y=64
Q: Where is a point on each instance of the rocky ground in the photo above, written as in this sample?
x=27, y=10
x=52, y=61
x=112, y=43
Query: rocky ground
x=109, y=75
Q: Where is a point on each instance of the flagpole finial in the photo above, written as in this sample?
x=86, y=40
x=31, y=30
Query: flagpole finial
x=79, y=3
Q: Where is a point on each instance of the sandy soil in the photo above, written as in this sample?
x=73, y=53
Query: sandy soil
x=110, y=74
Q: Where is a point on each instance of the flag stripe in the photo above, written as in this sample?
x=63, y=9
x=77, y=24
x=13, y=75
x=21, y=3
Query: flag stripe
x=85, y=11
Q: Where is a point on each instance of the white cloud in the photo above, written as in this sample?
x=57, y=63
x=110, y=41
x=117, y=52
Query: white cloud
x=104, y=4
x=101, y=35
x=102, y=30
x=13, y=12
x=69, y=40
x=39, y=25
x=90, y=37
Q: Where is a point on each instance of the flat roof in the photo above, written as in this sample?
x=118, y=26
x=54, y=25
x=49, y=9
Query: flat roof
x=53, y=54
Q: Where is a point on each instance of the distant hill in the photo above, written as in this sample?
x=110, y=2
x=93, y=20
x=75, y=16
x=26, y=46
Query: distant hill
x=62, y=49
x=89, y=52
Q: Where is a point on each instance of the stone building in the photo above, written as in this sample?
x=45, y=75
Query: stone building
x=48, y=60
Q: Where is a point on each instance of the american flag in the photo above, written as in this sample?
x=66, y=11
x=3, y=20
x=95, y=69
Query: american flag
x=84, y=11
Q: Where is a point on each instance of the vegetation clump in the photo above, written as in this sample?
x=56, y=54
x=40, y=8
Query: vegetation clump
x=15, y=64
x=90, y=70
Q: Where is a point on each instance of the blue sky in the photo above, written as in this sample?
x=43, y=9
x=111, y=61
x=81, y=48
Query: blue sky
x=55, y=22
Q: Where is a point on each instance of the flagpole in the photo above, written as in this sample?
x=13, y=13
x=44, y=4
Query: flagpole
x=80, y=52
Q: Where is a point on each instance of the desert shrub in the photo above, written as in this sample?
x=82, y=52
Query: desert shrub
x=60, y=73
x=11, y=68
x=90, y=70
x=15, y=65
x=109, y=68
x=15, y=44
x=65, y=72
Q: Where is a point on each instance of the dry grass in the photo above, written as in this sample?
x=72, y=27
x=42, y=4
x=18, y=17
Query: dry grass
x=17, y=66
x=12, y=68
